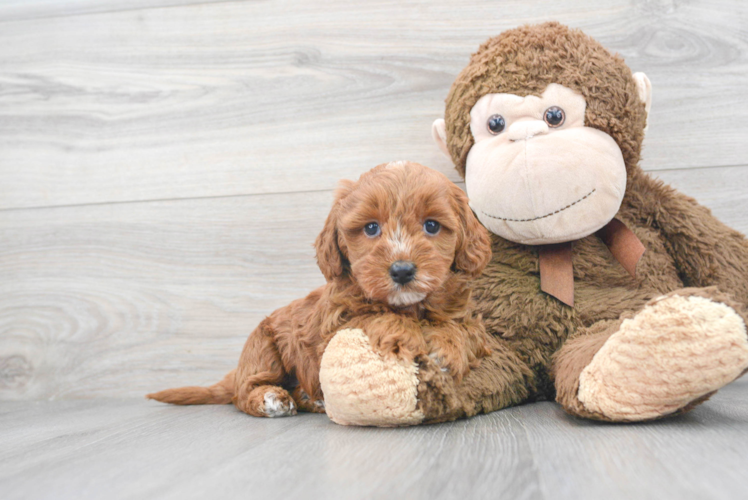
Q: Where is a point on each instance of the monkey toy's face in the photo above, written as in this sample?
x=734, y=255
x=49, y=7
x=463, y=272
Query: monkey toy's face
x=536, y=174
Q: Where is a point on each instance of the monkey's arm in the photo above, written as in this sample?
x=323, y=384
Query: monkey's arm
x=362, y=387
x=706, y=251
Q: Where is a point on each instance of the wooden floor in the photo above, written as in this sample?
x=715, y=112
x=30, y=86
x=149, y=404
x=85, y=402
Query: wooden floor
x=121, y=449
x=165, y=166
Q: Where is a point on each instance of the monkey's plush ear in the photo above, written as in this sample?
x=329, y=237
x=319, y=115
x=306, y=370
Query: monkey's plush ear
x=330, y=257
x=644, y=86
x=473, y=241
x=439, y=133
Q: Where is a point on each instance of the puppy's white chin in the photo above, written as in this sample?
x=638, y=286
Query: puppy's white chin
x=400, y=299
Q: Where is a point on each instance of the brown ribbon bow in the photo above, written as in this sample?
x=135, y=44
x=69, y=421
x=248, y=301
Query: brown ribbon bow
x=557, y=273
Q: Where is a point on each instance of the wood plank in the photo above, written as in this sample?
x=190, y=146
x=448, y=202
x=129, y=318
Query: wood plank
x=427, y=462
x=16, y=10
x=697, y=455
x=255, y=97
x=122, y=299
x=147, y=450
x=137, y=449
x=121, y=449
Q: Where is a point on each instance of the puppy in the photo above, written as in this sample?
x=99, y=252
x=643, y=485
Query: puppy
x=398, y=250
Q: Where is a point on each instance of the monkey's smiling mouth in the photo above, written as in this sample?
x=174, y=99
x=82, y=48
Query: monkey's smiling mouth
x=542, y=216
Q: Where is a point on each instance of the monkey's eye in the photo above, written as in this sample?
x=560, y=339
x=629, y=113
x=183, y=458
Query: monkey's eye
x=496, y=124
x=431, y=227
x=372, y=230
x=554, y=116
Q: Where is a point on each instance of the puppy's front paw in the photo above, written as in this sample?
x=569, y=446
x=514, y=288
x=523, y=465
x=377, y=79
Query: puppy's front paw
x=452, y=360
x=401, y=348
x=457, y=348
x=396, y=338
x=441, y=362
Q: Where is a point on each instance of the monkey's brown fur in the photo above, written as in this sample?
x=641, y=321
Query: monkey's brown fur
x=541, y=345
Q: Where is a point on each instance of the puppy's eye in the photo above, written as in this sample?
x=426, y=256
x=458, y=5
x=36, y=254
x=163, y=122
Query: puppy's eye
x=372, y=230
x=431, y=226
x=554, y=116
x=495, y=124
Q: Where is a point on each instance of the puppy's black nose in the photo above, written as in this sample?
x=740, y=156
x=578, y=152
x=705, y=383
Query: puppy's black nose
x=402, y=272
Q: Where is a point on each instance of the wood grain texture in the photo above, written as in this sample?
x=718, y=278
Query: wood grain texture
x=255, y=97
x=96, y=300
x=16, y=10
x=119, y=449
x=699, y=455
x=122, y=299
x=164, y=168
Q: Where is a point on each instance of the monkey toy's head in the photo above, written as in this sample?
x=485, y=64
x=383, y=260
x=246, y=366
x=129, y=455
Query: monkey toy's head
x=546, y=126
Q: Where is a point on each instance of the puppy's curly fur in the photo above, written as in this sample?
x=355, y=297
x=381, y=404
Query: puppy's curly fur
x=431, y=315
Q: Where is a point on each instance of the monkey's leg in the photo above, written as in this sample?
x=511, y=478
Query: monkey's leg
x=259, y=375
x=666, y=359
x=363, y=388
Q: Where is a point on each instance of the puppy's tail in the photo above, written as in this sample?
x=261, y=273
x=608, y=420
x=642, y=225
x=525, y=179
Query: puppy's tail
x=217, y=394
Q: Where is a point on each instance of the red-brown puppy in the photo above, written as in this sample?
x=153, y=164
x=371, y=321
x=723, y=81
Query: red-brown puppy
x=398, y=251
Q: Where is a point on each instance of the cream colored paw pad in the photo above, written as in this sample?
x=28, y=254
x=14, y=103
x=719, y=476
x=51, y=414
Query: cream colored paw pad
x=362, y=388
x=674, y=351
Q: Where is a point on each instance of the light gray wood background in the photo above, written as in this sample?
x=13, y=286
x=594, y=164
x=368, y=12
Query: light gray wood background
x=165, y=166
x=126, y=449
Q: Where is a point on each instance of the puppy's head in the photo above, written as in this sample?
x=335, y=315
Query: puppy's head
x=399, y=232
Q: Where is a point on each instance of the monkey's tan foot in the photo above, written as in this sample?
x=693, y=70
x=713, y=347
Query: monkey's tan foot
x=305, y=403
x=363, y=388
x=268, y=401
x=670, y=356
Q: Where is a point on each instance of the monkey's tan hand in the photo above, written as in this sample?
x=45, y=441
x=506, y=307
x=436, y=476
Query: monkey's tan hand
x=363, y=388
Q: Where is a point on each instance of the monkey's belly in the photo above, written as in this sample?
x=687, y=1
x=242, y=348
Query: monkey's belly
x=509, y=297
x=604, y=290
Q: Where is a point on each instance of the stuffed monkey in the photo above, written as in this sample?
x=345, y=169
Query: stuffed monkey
x=608, y=291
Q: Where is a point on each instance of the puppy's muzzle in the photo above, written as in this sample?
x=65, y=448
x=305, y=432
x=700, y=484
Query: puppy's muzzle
x=402, y=272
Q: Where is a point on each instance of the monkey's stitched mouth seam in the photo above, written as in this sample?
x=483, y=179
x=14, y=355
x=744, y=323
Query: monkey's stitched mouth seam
x=542, y=216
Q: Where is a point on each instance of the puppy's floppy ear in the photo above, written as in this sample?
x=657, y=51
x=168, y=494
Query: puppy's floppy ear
x=473, y=241
x=330, y=257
